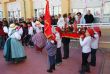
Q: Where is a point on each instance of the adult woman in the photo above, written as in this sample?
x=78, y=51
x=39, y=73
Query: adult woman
x=13, y=49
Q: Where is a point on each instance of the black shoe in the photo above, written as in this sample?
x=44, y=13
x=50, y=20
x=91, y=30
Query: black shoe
x=65, y=57
x=50, y=71
x=81, y=72
x=53, y=67
x=88, y=71
x=92, y=64
x=87, y=68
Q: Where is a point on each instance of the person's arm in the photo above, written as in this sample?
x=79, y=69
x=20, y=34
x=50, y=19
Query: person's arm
x=5, y=29
x=83, y=42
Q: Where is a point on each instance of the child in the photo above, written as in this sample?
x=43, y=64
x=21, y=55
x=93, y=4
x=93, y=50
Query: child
x=25, y=33
x=51, y=48
x=86, y=49
x=58, y=52
x=30, y=34
x=95, y=45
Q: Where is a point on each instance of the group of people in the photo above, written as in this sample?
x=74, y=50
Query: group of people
x=89, y=44
x=18, y=34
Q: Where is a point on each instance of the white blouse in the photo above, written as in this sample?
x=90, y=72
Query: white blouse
x=20, y=31
x=30, y=31
x=86, y=44
x=95, y=41
x=58, y=39
x=5, y=29
x=38, y=30
x=15, y=35
x=61, y=22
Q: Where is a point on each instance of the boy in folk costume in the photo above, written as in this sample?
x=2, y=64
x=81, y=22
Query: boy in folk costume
x=25, y=33
x=58, y=52
x=30, y=34
x=86, y=50
x=39, y=38
x=95, y=45
x=13, y=49
x=51, y=48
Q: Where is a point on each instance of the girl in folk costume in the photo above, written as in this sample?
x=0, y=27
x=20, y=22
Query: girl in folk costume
x=95, y=45
x=13, y=49
x=39, y=38
x=58, y=52
x=51, y=48
x=86, y=49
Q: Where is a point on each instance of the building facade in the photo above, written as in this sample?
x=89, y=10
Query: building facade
x=34, y=8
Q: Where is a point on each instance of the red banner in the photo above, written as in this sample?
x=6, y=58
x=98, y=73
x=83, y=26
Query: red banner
x=71, y=35
x=47, y=18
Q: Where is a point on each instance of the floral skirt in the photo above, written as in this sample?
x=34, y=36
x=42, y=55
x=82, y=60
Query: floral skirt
x=39, y=40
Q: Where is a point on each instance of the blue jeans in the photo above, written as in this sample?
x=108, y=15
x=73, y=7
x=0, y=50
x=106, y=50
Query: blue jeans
x=51, y=60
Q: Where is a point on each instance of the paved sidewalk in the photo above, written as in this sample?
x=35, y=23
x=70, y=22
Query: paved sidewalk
x=36, y=63
x=106, y=63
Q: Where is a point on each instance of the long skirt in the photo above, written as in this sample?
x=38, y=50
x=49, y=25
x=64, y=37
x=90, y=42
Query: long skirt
x=39, y=41
x=14, y=51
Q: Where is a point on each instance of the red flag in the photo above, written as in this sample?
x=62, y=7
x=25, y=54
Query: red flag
x=47, y=18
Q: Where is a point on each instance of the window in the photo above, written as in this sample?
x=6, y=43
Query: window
x=1, y=15
x=78, y=10
x=107, y=8
x=57, y=10
x=38, y=12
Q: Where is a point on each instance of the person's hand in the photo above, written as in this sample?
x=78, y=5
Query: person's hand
x=52, y=41
x=81, y=36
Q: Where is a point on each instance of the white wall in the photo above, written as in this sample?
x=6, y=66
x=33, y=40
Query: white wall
x=40, y=6
x=13, y=6
x=41, y=3
x=0, y=7
x=1, y=14
x=85, y=3
x=16, y=7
